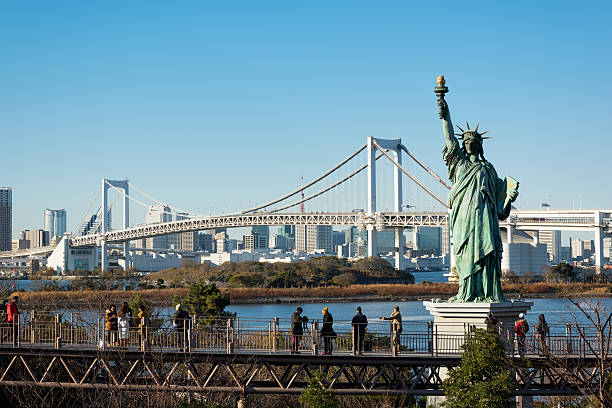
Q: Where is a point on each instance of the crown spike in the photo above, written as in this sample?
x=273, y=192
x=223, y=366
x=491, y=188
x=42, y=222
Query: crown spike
x=462, y=131
x=468, y=125
x=476, y=130
x=483, y=132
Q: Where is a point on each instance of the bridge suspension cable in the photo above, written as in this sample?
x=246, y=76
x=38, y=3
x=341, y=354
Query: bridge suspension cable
x=89, y=208
x=427, y=169
x=159, y=202
x=326, y=189
x=399, y=166
x=342, y=163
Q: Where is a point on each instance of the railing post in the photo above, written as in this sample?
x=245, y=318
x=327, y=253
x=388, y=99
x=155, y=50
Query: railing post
x=58, y=331
x=568, y=337
x=32, y=329
x=143, y=335
x=275, y=330
x=314, y=333
x=194, y=331
x=435, y=339
x=230, y=336
x=354, y=347
x=394, y=340
x=102, y=332
x=430, y=337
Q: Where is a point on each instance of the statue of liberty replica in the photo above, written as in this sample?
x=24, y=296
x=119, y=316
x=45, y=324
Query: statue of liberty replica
x=478, y=199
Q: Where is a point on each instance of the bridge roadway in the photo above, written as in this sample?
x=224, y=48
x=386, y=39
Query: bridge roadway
x=261, y=373
x=586, y=220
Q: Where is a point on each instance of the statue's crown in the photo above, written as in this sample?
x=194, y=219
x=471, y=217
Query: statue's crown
x=471, y=134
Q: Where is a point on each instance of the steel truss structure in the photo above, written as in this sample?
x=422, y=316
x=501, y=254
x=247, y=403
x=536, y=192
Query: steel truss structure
x=528, y=220
x=261, y=373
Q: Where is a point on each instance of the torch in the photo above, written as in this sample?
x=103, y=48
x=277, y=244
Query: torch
x=440, y=90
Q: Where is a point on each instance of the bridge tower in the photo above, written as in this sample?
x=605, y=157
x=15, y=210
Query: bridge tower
x=394, y=146
x=123, y=185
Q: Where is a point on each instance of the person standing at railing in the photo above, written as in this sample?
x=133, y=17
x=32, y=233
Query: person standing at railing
x=12, y=317
x=297, y=330
x=521, y=327
x=542, y=331
x=181, y=325
x=359, y=323
x=123, y=324
x=111, y=325
x=327, y=331
x=142, y=323
x=396, y=327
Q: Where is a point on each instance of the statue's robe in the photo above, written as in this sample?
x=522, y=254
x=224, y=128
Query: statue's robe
x=477, y=201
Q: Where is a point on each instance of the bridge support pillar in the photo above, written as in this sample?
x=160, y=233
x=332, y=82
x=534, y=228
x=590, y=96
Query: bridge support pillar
x=103, y=255
x=599, y=255
x=371, y=199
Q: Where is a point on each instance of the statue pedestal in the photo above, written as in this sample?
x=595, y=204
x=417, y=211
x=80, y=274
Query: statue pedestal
x=453, y=320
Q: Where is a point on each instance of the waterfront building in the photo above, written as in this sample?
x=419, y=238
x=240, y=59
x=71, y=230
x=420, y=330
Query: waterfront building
x=156, y=214
x=446, y=240
x=552, y=240
x=55, y=222
x=6, y=218
x=524, y=255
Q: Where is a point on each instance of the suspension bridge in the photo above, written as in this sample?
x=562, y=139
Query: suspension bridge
x=362, y=199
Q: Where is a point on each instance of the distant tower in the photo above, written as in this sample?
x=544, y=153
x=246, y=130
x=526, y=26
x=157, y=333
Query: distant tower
x=302, y=194
x=6, y=218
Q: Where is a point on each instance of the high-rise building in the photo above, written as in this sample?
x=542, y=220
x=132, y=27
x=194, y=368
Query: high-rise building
x=338, y=238
x=263, y=231
x=249, y=242
x=577, y=248
x=385, y=241
x=428, y=238
x=552, y=239
x=607, y=248
x=55, y=222
x=205, y=241
x=286, y=230
x=186, y=241
x=156, y=214
x=313, y=237
x=33, y=239
x=6, y=218
x=446, y=240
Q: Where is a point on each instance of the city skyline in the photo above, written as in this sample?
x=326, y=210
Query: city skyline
x=171, y=85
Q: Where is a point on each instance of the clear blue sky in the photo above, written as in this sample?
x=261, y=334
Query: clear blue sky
x=215, y=105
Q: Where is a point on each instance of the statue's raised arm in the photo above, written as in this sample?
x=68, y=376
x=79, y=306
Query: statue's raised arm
x=444, y=112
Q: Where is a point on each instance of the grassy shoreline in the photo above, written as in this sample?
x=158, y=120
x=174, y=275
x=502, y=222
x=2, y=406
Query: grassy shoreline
x=363, y=293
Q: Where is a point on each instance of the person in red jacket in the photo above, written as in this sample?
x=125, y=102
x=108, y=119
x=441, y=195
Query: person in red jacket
x=521, y=327
x=12, y=316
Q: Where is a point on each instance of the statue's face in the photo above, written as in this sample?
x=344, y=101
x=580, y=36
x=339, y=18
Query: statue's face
x=472, y=146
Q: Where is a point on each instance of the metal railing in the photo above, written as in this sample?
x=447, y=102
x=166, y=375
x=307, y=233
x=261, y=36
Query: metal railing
x=272, y=336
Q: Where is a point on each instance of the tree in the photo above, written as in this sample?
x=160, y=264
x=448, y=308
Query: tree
x=317, y=394
x=483, y=380
x=562, y=272
x=205, y=299
x=592, y=322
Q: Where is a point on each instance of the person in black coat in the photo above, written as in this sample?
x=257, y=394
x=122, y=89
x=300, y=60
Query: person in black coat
x=181, y=325
x=359, y=323
x=327, y=331
x=297, y=330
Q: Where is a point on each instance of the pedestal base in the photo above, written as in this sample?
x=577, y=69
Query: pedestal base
x=453, y=320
